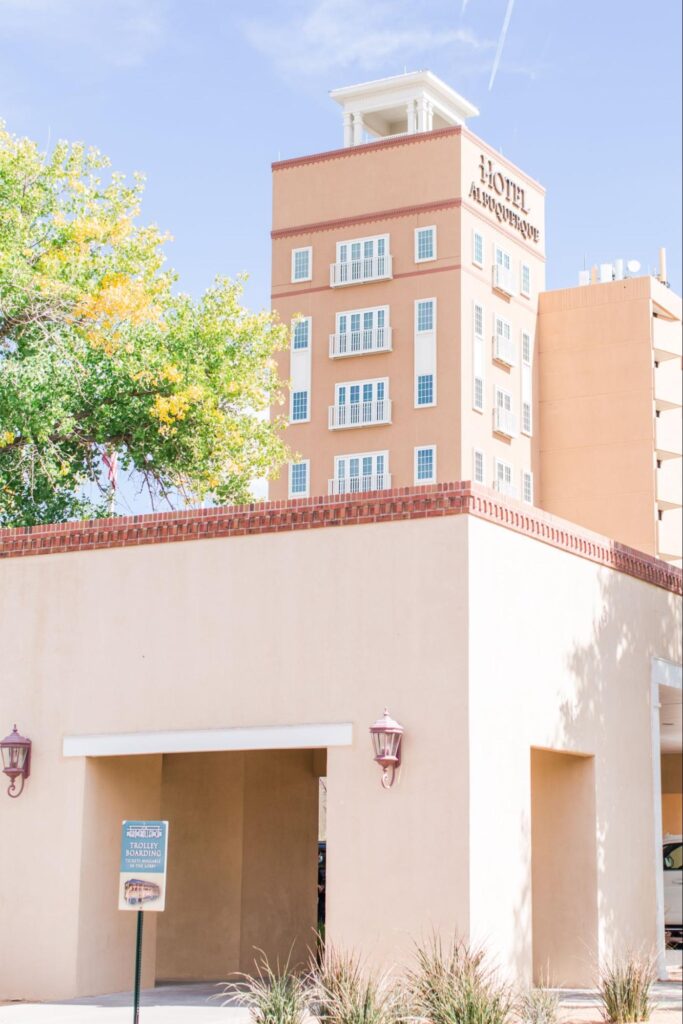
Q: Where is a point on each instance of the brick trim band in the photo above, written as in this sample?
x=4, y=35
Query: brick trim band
x=322, y=512
x=366, y=147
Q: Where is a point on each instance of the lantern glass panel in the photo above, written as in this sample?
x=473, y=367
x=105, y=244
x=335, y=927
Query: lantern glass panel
x=7, y=757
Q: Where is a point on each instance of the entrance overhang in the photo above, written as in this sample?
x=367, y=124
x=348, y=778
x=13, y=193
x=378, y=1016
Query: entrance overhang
x=185, y=741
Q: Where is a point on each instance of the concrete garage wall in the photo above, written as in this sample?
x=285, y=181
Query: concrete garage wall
x=672, y=801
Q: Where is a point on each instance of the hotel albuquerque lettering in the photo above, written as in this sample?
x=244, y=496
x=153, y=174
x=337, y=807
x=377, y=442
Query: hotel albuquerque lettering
x=504, y=198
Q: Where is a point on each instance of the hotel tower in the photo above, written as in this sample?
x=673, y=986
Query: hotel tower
x=411, y=266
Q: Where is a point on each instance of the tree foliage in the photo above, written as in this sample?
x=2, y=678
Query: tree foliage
x=99, y=354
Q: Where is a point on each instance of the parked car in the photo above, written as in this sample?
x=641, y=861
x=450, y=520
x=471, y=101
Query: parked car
x=673, y=889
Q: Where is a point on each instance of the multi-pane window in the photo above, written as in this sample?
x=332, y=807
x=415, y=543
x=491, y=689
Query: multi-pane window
x=299, y=406
x=526, y=347
x=362, y=259
x=425, y=389
x=504, y=478
x=425, y=465
x=527, y=488
x=361, y=330
x=301, y=264
x=478, y=466
x=526, y=279
x=425, y=315
x=503, y=259
x=478, y=321
x=425, y=244
x=526, y=417
x=368, y=471
x=478, y=249
x=298, y=479
x=301, y=334
x=478, y=396
x=478, y=358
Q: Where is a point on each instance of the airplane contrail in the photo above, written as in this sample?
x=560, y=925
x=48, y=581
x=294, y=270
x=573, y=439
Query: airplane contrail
x=501, y=42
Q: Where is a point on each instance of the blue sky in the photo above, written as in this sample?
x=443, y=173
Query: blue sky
x=202, y=95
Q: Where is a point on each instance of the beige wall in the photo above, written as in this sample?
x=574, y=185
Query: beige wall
x=597, y=353
x=564, y=883
x=559, y=659
x=672, y=800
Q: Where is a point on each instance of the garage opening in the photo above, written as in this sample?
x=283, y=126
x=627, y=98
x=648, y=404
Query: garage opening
x=563, y=868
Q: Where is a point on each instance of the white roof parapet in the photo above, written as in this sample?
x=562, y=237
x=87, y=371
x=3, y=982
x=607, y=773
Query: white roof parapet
x=401, y=105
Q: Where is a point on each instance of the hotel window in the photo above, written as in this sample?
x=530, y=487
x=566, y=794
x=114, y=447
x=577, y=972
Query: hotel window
x=503, y=478
x=302, y=260
x=526, y=418
x=425, y=315
x=527, y=488
x=301, y=334
x=425, y=244
x=425, y=389
x=504, y=348
x=299, y=406
x=478, y=468
x=478, y=249
x=359, y=403
x=361, y=330
x=526, y=348
x=361, y=259
x=425, y=465
x=368, y=471
x=503, y=259
x=298, y=479
x=526, y=280
x=478, y=358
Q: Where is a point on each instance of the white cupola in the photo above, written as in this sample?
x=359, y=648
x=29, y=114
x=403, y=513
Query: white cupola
x=401, y=105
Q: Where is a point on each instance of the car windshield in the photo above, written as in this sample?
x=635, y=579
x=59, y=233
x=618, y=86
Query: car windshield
x=673, y=857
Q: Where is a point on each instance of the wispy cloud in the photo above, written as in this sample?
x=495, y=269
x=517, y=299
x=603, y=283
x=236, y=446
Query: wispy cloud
x=121, y=33
x=501, y=42
x=334, y=34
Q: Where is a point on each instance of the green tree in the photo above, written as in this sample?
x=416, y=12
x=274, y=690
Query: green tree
x=99, y=355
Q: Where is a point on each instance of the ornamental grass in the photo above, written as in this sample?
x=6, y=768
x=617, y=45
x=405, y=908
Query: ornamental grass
x=625, y=987
x=538, y=1006
x=343, y=992
x=273, y=995
x=453, y=984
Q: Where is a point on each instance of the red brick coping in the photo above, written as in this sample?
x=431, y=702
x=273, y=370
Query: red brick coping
x=309, y=513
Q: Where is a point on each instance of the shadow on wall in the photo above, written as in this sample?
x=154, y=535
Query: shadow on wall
x=612, y=705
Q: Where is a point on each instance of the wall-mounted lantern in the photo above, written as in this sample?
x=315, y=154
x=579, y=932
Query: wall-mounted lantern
x=16, y=760
x=386, y=740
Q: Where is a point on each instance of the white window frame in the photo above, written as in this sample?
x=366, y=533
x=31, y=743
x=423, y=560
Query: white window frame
x=423, y=448
x=428, y=330
x=502, y=391
x=527, y=334
x=506, y=465
x=348, y=384
x=307, y=346
x=527, y=475
x=309, y=250
x=522, y=428
x=478, y=452
x=361, y=241
x=307, y=492
x=522, y=291
x=475, y=261
x=506, y=255
x=425, y=405
x=297, y=391
x=478, y=339
x=360, y=456
x=425, y=259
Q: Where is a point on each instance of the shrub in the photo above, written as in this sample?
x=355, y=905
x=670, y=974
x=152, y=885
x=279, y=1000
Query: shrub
x=624, y=988
x=272, y=995
x=343, y=993
x=453, y=985
x=538, y=1006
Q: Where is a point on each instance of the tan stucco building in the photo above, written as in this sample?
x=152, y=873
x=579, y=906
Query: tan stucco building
x=209, y=667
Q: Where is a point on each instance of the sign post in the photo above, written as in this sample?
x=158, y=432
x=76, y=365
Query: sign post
x=142, y=880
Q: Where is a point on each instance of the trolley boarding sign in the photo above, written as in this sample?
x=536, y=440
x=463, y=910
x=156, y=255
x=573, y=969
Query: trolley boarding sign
x=142, y=873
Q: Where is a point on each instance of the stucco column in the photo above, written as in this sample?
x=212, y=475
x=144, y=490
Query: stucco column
x=348, y=129
x=430, y=116
x=357, y=129
x=422, y=114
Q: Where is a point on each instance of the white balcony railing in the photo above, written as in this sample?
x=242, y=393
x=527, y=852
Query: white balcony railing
x=360, y=414
x=358, y=343
x=503, y=280
x=503, y=487
x=371, y=268
x=357, y=484
x=504, y=422
x=504, y=350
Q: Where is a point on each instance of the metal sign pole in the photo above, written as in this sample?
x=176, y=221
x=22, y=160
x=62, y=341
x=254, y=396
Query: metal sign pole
x=138, y=969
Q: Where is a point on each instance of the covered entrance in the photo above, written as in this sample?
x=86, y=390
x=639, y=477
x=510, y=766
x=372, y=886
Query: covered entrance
x=243, y=849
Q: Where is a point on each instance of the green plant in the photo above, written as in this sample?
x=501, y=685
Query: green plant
x=342, y=992
x=625, y=989
x=454, y=985
x=273, y=995
x=538, y=1006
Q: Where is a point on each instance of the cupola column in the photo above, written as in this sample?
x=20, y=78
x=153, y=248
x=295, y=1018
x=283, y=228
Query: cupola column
x=357, y=128
x=348, y=129
x=410, y=117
